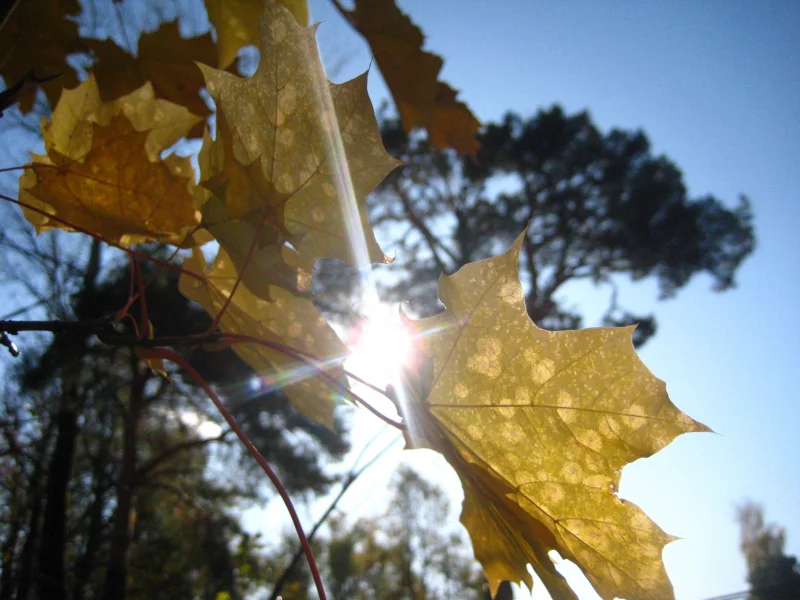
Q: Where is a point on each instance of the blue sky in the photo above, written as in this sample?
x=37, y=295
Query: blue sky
x=716, y=86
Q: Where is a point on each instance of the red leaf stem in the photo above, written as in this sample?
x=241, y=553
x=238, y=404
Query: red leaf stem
x=172, y=356
x=233, y=338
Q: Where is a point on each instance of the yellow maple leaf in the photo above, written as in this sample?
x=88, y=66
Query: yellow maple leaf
x=538, y=425
x=269, y=263
x=116, y=190
x=286, y=320
x=309, y=137
x=245, y=190
x=411, y=74
x=452, y=125
x=69, y=130
x=36, y=38
x=254, y=242
x=236, y=23
x=164, y=58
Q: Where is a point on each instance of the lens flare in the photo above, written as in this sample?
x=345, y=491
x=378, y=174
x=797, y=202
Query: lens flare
x=382, y=351
x=381, y=346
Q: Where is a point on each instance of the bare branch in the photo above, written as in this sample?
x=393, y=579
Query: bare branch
x=153, y=463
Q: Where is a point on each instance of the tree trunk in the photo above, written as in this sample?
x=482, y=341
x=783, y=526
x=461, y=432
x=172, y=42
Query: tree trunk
x=7, y=553
x=51, y=581
x=117, y=571
x=24, y=572
x=50, y=578
x=94, y=535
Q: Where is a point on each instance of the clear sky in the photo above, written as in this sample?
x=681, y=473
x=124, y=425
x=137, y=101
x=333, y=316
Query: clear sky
x=716, y=86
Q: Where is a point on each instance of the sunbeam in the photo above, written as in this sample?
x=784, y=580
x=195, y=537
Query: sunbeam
x=344, y=190
x=383, y=344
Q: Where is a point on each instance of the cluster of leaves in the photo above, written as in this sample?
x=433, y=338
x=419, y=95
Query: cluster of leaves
x=537, y=424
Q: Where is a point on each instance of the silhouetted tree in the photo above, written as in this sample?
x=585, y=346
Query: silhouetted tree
x=772, y=574
x=596, y=206
x=109, y=491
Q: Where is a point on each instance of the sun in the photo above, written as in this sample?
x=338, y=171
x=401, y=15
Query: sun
x=380, y=346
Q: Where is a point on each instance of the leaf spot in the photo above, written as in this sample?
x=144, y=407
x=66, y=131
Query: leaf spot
x=510, y=291
x=596, y=481
x=590, y=439
x=572, y=472
x=593, y=462
x=286, y=181
x=475, y=432
x=513, y=433
x=512, y=459
x=542, y=369
x=635, y=421
x=522, y=395
x=487, y=362
x=286, y=136
x=506, y=413
x=552, y=494
x=565, y=400
x=278, y=30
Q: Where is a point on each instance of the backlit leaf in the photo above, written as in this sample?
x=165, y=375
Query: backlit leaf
x=244, y=188
x=538, y=425
x=411, y=74
x=115, y=190
x=37, y=38
x=265, y=265
x=236, y=22
x=254, y=233
x=164, y=58
x=69, y=130
x=308, y=137
x=453, y=125
x=287, y=320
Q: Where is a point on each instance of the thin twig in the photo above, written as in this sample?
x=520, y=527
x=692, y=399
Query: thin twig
x=299, y=355
x=240, y=276
x=96, y=327
x=164, y=354
x=135, y=295
x=99, y=237
x=348, y=481
x=146, y=468
x=107, y=334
